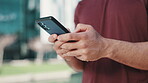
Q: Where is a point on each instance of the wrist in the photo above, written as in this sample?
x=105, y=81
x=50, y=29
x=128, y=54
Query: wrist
x=110, y=47
x=114, y=48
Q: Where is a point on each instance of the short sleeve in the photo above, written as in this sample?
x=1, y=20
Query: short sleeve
x=76, y=15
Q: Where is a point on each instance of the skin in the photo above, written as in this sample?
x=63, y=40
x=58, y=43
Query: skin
x=89, y=45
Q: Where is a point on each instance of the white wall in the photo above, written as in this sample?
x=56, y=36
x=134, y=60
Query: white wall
x=63, y=10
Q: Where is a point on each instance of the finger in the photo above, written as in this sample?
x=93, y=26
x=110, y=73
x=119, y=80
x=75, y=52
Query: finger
x=52, y=38
x=57, y=45
x=69, y=37
x=73, y=53
x=74, y=45
x=82, y=27
x=82, y=58
x=62, y=51
x=68, y=58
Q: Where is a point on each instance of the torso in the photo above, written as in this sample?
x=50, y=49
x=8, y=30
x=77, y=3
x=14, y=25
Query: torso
x=117, y=19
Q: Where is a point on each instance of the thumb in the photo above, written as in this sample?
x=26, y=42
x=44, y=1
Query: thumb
x=82, y=28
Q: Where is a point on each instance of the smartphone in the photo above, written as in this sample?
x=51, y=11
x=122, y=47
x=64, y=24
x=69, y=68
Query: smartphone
x=51, y=25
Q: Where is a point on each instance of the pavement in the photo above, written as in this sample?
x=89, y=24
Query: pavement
x=36, y=77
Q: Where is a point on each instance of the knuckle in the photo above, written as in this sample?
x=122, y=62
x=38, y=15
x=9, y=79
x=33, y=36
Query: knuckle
x=56, y=47
x=68, y=53
x=64, y=51
x=64, y=47
x=69, y=36
x=79, y=25
x=90, y=26
x=84, y=36
x=84, y=45
x=58, y=44
x=85, y=51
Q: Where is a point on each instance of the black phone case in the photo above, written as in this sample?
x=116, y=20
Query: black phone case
x=51, y=25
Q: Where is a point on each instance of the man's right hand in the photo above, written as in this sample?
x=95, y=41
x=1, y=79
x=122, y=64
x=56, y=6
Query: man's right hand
x=57, y=44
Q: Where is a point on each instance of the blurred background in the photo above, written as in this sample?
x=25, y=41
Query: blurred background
x=26, y=56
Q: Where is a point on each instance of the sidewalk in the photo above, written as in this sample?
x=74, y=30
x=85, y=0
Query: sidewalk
x=36, y=77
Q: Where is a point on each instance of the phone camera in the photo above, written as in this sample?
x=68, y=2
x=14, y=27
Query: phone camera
x=43, y=26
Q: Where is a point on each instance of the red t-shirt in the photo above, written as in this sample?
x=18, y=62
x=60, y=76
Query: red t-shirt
x=116, y=19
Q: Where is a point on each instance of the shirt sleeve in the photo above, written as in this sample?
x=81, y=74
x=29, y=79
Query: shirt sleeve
x=76, y=15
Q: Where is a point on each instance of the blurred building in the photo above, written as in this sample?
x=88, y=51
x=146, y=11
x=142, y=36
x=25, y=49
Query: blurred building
x=17, y=18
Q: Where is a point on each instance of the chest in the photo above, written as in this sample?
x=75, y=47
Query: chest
x=98, y=9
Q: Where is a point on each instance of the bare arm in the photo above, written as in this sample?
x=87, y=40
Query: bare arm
x=91, y=47
x=131, y=54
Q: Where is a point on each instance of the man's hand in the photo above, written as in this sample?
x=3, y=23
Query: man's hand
x=73, y=62
x=89, y=45
x=57, y=44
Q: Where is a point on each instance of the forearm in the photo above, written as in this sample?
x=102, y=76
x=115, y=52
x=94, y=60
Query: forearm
x=75, y=64
x=131, y=54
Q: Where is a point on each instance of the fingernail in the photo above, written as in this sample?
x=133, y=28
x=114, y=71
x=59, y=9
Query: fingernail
x=54, y=36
